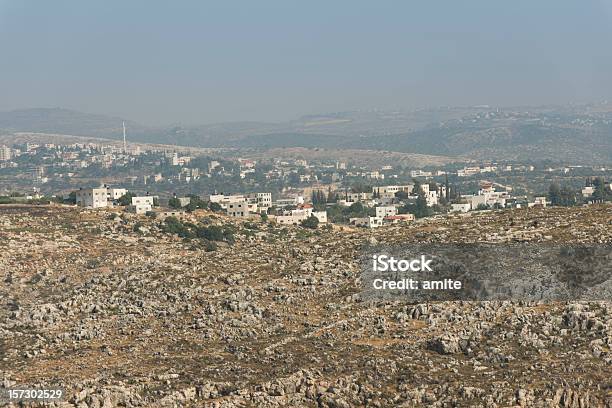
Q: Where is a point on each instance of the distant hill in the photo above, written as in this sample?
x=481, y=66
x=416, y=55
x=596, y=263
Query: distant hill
x=57, y=120
x=580, y=135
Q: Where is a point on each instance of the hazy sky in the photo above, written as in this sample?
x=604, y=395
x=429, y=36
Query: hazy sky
x=202, y=62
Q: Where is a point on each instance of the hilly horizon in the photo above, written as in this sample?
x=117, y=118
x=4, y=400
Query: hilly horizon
x=581, y=134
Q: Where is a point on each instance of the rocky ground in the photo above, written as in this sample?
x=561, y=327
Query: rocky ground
x=121, y=313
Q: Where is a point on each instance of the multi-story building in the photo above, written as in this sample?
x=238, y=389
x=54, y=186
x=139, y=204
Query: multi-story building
x=143, y=200
x=238, y=209
x=5, y=153
x=92, y=197
x=386, y=211
x=142, y=208
x=303, y=212
x=368, y=222
x=116, y=193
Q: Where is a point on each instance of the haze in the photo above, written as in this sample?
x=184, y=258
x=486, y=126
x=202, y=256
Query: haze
x=203, y=62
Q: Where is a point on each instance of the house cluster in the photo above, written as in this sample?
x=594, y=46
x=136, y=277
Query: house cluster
x=384, y=215
x=241, y=205
x=384, y=195
x=488, y=198
x=105, y=196
x=299, y=214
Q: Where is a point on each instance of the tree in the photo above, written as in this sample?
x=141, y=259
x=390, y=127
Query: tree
x=421, y=209
x=568, y=196
x=71, y=198
x=401, y=195
x=125, y=199
x=216, y=207
x=331, y=196
x=554, y=194
x=174, y=203
x=311, y=222
x=447, y=186
x=600, y=193
x=561, y=196
x=356, y=207
x=318, y=197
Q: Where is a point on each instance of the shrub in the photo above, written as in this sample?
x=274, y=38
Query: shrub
x=311, y=222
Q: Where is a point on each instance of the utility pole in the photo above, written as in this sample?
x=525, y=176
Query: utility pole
x=124, y=139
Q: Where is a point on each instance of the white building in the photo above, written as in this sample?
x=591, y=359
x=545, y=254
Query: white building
x=588, y=191
x=213, y=165
x=294, y=217
x=224, y=200
x=357, y=197
x=115, y=193
x=390, y=191
x=140, y=208
x=143, y=200
x=92, y=197
x=368, y=222
x=321, y=216
x=262, y=201
x=468, y=171
x=387, y=211
x=395, y=219
x=487, y=196
x=5, y=153
x=420, y=173
x=538, y=202
x=461, y=207
x=238, y=209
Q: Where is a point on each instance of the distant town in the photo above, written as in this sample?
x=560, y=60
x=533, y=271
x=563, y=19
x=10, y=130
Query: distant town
x=163, y=182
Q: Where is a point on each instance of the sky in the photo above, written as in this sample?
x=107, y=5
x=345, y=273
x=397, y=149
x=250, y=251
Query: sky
x=197, y=62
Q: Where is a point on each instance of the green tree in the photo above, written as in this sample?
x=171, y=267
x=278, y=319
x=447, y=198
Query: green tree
x=331, y=196
x=356, y=208
x=568, y=196
x=125, y=199
x=71, y=198
x=401, y=195
x=554, y=194
x=600, y=193
x=311, y=222
x=421, y=209
x=174, y=203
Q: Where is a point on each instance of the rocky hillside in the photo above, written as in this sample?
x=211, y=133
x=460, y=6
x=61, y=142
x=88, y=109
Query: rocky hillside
x=121, y=311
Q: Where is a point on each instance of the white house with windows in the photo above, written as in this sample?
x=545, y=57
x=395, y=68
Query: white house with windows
x=294, y=217
x=142, y=200
x=140, y=208
x=367, y=222
x=92, y=197
x=114, y=194
x=386, y=211
x=238, y=209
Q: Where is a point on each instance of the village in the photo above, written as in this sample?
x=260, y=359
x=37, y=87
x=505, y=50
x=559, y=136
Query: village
x=163, y=183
